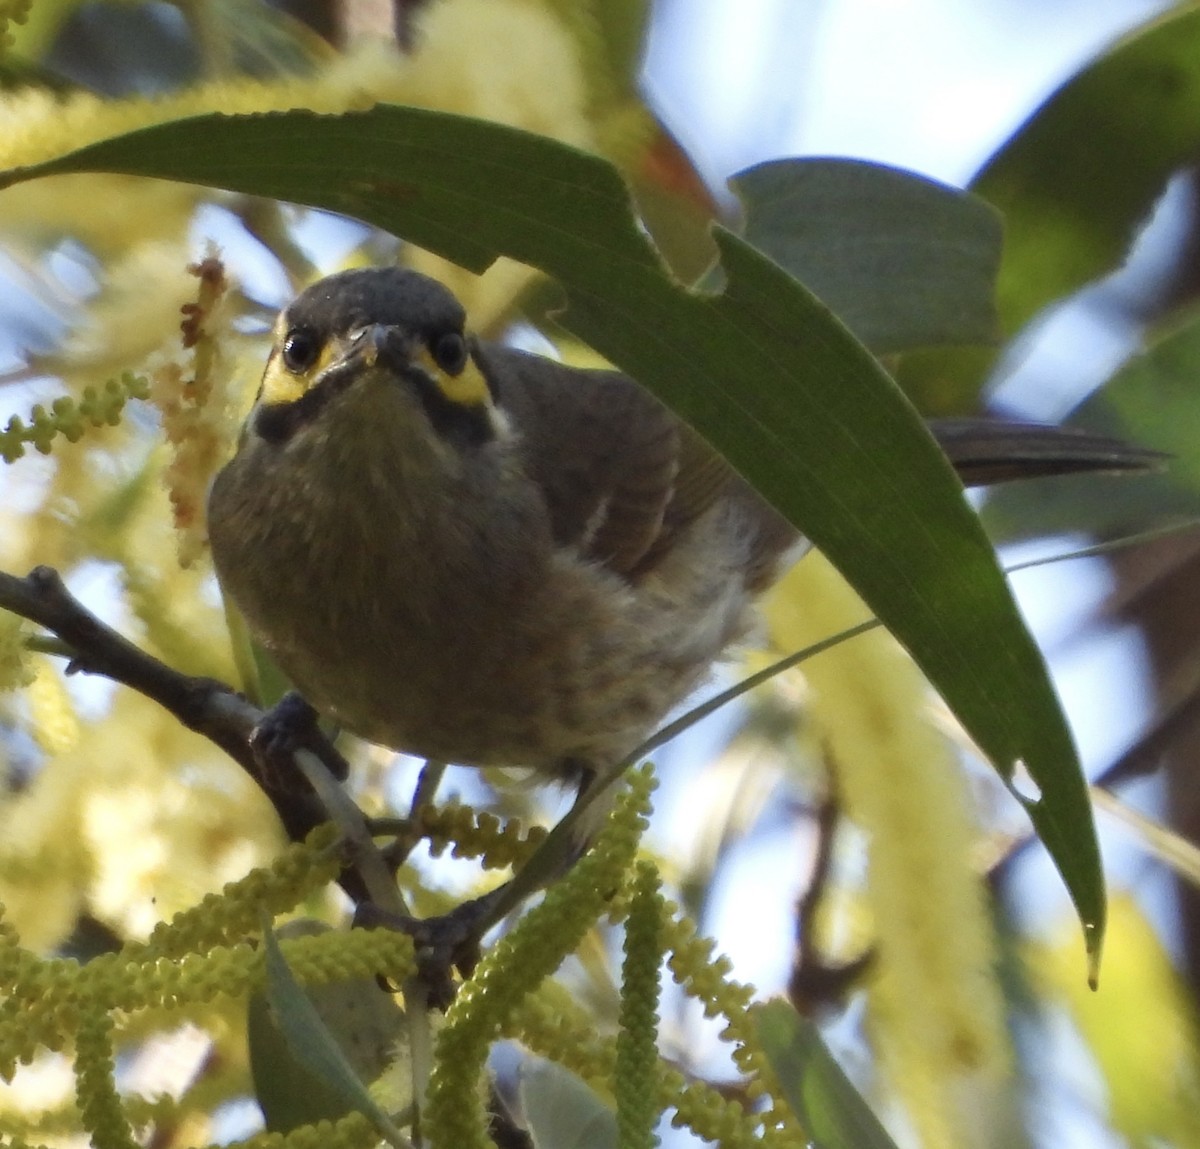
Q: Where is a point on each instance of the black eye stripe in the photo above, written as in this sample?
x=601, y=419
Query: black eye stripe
x=278, y=422
x=469, y=426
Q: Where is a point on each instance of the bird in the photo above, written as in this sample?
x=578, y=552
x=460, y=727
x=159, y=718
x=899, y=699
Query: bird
x=475, y=554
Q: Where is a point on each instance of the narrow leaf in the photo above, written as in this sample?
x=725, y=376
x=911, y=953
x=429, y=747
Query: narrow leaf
x=1154, y=397
x=831, y=1111
x=1075, y=183
x=313, y=1054
x=562, y=1111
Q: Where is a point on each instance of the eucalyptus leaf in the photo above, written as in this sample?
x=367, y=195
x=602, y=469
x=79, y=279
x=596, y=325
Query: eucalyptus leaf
x=562, y=1112
x=1082, y=173
x=902, y=260
x=307, y=1075
x=1155, y=397
x=831, y=1111
x=1075, y=183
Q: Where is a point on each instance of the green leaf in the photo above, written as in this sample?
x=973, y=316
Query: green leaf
x=831, y=1111
x=1083, y=172
x=1077, y=180
x=902, y=260
x=1096, y=506
x=1151, y=399
x=289, y=1094
x=301, y=1072
x=622, y=26
x=1154, y=397
x=763, y=370
x=562, y=1111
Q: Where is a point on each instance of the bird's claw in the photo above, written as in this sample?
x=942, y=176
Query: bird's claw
x=291, y=725
x=443, y=944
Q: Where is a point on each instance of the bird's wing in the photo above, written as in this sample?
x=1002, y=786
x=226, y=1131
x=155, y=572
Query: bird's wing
x=621, y=475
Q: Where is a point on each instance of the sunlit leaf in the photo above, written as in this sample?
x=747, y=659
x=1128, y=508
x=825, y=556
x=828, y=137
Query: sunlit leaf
x=1155, y=398
x=1078, y=179
x=1082, y=173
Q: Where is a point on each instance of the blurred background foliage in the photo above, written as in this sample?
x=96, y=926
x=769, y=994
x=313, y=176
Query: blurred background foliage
x=835, y=831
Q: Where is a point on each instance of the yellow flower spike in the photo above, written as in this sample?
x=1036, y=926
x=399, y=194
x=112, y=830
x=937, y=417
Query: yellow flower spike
x=10, y=940
x=42, y=429
x=68, y=419
x=714, y=1118
x=224, y=970
x=12, y=440
x=46, y=998
x=300, y=870
x=637, y=1040
x=935, y=1005
x=354, y=1131
x=41, y=1007
x=518, y=963
x=496, y=844
x=550, y=1023
x=197, y=412
x=16, y=668
x=342, y=955
x=55, y=723
x=706, y=978
x=12, y=12
x=264, y=1140
x=95, y=1090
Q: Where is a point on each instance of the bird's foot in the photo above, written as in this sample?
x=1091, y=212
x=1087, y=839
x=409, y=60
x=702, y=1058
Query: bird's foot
x=291, y=725
x=443, y=944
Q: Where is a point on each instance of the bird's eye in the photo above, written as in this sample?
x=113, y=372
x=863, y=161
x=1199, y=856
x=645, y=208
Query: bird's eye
x=300, y=350
x=450, y=352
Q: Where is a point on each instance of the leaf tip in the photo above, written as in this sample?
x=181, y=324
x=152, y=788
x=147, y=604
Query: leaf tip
x=1093, y=939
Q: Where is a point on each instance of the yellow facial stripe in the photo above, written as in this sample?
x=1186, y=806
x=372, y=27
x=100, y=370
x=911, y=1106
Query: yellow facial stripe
x=468, y=388
x=279, y=385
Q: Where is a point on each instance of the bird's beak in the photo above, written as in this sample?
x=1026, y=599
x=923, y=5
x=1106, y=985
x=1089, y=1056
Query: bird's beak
x=366, y=346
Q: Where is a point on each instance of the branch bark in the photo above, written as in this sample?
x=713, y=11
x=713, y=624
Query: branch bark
x=205, y=705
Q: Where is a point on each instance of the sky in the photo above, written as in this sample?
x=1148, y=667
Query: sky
x=932, y=85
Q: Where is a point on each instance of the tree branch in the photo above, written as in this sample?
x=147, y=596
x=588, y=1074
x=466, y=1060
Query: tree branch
x=211, y=708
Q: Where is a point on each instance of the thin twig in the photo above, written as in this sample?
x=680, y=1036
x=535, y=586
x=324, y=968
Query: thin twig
x=815, y=982
x=204, y=705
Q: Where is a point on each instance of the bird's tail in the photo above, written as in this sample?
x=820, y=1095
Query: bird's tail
x=987, y=451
